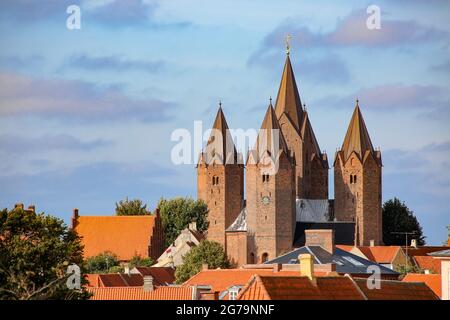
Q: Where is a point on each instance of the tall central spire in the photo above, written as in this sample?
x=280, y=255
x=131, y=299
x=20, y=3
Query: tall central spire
x=288, y=99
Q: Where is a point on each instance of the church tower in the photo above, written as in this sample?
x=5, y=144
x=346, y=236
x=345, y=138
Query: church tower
x=311, y=165
x=270, y=193
x=220, y=179
x=357, y=182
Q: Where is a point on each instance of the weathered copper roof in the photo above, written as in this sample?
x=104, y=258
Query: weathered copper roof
x=288, y=99
x=270, y=136
x=357, y=138
x=220, y=143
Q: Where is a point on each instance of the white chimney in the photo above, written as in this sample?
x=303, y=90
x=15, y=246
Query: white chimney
x=148, y=284
x=414, y=243
x=372, y=243
x=127, y=269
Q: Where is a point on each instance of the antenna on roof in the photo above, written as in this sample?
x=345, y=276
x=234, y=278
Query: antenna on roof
x=406, y=244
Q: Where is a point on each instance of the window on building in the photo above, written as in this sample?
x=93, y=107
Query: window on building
x=213, y=180
x=264, y=257
x=351, y=178
x=354, y=178
x=233, y=293
x=264, y=177
x=217, y=180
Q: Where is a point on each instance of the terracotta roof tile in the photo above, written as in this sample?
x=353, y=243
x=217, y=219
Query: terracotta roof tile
x=161, y=275
x=380, y=254
x=397, y=290
x=300, y=288
x=222, y=279
x=428, y=263
x=137, y=293
x=433, y=281
x=125, y=236
x=423, y=251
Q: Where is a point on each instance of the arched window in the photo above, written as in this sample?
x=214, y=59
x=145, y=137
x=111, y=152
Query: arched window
x=264, y=178
x=354, y=178
x=217, y=180
x=267, y=178
x=351, y=178
x=264, y=257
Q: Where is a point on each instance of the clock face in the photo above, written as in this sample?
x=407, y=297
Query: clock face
x=265, y=200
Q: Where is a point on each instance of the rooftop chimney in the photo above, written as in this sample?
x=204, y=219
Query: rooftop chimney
x=148, y=284
x=323, y=238
x=414, y=243
x=205, y=266
x=277, y=267
x=306, y=266
x=372, y=243
x=74, y=218
x=127, y=269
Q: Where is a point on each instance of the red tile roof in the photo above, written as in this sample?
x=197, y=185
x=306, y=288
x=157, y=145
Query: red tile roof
x=380, y=254
x=331, y=288
x=433, y=281
x=222, y=279
x=428, y=263
x=300, y=288
x=423, y=251
x=161, y=275
x=397, y=290
x=137, y=293
x=125, y=236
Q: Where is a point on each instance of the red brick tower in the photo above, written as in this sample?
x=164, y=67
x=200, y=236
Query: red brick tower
x=270, y=193
x=311, y=165
x=357, y=182
x=220, y=179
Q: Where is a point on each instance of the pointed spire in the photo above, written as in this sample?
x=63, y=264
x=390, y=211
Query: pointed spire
x=220, y=143
x=288, y=99
x=270, y=137
x=357, y=138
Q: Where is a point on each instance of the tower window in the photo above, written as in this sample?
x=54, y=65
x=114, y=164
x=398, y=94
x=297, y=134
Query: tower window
x=265, y=178
x=351, y=178
x=354, y=178
x=217, y=180
x=264, y=257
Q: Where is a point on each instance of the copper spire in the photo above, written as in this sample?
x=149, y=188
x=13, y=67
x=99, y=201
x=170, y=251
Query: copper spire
x=288, y=99
x=220, y=143
x=270, y=137
x=357, y=138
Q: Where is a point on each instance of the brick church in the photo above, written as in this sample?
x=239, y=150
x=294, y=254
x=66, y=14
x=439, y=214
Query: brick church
x=286, y=183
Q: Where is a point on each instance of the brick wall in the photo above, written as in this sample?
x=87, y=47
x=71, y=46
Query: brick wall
x=236, y=243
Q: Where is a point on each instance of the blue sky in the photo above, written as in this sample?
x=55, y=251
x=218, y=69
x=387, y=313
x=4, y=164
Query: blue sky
x=86, y=115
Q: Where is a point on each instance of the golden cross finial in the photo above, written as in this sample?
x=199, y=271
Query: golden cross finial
x=288, y=44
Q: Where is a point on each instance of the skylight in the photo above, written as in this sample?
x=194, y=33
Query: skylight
x=353, y=261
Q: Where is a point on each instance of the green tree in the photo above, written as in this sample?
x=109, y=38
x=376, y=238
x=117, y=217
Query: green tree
x=35, y=252
x=103, y=263
x=138, y=261
x=177, y=213
x=397, y=217
x=404, y=269
x=133, y=207
x=207, y=252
